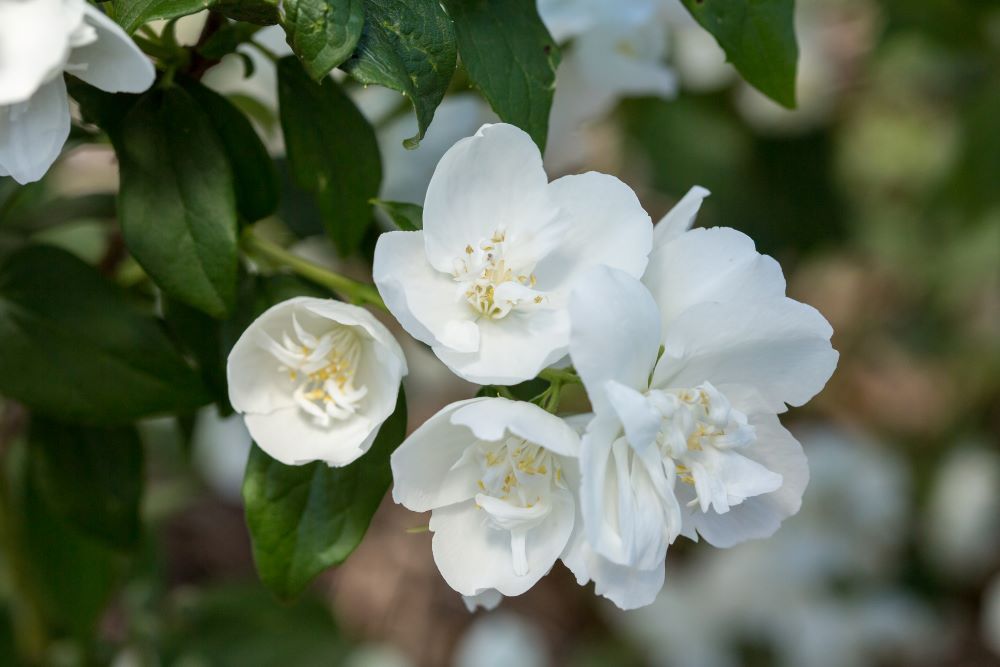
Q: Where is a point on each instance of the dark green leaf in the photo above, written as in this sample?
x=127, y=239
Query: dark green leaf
x=332, y=152
x=323, y=33
x=758, y=37
x=226, y=39
x=131, y=14
x=510, y=57
x=74, y=348
x=407, y=217
x=256, y=179
x=71, y=576
x=409, y=47
x=304, y=519
x=176, y=205
x=91, y=478
x=259, y=12
x=200, y=337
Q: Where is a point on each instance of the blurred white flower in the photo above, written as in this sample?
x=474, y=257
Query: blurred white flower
x=485, y=283
x=501, y=640
x=963, y=515
x=39, y=40
x=498, y=477
x=315, y=379
x=220, y=448
x=790, y=589
x=686, y=438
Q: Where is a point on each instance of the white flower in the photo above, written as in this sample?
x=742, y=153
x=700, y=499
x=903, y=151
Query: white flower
x=39, y=40
x=686, y=375
x=486, y=282
x=499, y=477
x=315, y=379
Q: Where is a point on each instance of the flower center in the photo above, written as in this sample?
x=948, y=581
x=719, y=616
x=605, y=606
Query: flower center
x=516, y=482
x=491, y=285
x=699, y=434
x=321, y=370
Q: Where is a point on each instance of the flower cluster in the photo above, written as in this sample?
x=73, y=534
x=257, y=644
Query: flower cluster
x=683, y=339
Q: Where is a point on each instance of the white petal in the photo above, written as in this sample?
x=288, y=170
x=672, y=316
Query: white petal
x=607, y=226
x=489, y=600
x=290, y=436
x=486, y=183
x=717, y=264
x=113, y=62
x=472, y=556
x=386, y=349
x=615, y=332
x=34, y=45
x=421, y=466
x=424, y=300
x=780, y=347
x=512, y=349
x=758, y=517
x=492, y=418
x=680, y=218
x=641, y=420
x=32, y=133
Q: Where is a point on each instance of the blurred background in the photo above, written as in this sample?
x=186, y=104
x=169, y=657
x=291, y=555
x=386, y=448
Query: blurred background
x=879, y=195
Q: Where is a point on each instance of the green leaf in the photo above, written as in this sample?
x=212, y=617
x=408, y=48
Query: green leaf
x=226, y=39
x=76, y=349
x=91, y=478
x=304, y=519
x=407, y=217
x=176, y=204
x=255, y=177
x=259, y=12
x=409, y=47
x=510, y=57
x=131, y=14
x=332, y=152
x=323, y=33
x=758, y=37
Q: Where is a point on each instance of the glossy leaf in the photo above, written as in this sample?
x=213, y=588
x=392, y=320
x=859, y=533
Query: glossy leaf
x=131, y=14
x=510, y=57
x=758, y=37
x=76, y=349
x=323, y=33
x=177, y=205
x=332, y=152
x=410, y=47
x=407, y=217
x=304, y=519
x=91, y=478
x=255, y=177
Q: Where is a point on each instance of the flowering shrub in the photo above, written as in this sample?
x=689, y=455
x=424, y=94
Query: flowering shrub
x=679, y=344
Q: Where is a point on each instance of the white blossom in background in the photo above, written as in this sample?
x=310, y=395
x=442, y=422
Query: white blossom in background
x=220, y=447
x=486, y=282
x=499, y=478
x=617, y=50
x=686, y=374
x=314, y=380
x=39, y=40
x=501, y=640
x=790, y=587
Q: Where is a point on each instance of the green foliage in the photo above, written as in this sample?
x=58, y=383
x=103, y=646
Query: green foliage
x=510, y=57
x=758, y=37
x=76, y=349
x=91, y=478
x=177, y=205
x=226, y=39
x=407, y=217
x=336, y=160
x=255, y=179
x=131, y=14
x=304, y=519
x=410, y=47
x=323, y=33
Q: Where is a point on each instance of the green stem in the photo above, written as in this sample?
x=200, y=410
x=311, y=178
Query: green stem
x=268, y=53
x=560, y=375
x=354, y=291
